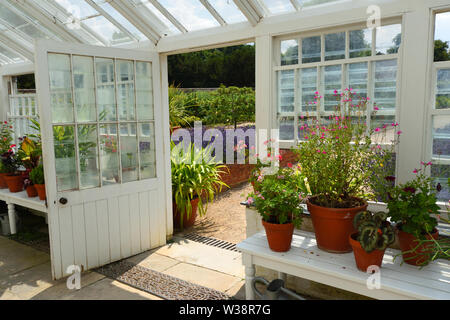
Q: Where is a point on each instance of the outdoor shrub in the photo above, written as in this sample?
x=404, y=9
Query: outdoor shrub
x=37, y=175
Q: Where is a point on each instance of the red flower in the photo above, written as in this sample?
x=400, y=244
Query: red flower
x=410, y=189
x=289, y=165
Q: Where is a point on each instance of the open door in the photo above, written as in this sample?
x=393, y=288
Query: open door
x=101, y=125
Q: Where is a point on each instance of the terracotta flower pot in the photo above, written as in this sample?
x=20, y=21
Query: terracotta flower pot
x=186, y=222
x=40, y=188
x=31, y=191
x=3, y=184
x=365, y=259
x=279, y=236
x=333, y=226
x=408, y=242
x=15, y=182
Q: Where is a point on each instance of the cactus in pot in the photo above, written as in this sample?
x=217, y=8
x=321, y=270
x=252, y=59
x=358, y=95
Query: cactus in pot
x=374, y=235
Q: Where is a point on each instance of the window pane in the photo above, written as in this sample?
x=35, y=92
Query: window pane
x=387, y=131
x=308, y=83
x=443, y=89
x=279, y=6
x=441, y=174
x=335, y=46
x=83, y=76
x=106, y=100
x=125, y=89
x=389, y=39
x=311, y=49
x=228, y=10
x=385, y=84
x=144, y=91
x=441, y=136
x=332, y=80
x=128, y=150
x=360, y=43
x=357, y=78
x=442, y=37
x=109, y=154
x=87, y=146
x=286, y=91
x=60, y=87
x=286, y=125
x=147, y=150
x=65, y=160
x=289, y=52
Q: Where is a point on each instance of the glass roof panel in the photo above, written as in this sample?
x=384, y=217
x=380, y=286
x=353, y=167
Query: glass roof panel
x=11, y=17
x=279, y=6
x=78, y=8
x=9, y=54
x=171, y=29
x=310, y=3
x=228, y=11
x=120, y=19
x=190, y=13
x=107, y=30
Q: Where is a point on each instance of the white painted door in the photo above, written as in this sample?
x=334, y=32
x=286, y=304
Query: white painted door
x=101, y=124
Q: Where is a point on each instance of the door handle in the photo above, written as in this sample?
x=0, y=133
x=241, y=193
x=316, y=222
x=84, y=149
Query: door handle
x=63, y=200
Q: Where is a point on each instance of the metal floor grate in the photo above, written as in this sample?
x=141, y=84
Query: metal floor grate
x=211, y=241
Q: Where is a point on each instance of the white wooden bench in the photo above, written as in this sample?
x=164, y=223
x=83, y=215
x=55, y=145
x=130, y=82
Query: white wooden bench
x=306, y=260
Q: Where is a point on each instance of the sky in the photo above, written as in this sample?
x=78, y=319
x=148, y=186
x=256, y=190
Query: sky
x=443, y=26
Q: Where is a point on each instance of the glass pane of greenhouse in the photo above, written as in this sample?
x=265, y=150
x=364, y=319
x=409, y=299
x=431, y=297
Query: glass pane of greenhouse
x=279, y=6
x=228, y=11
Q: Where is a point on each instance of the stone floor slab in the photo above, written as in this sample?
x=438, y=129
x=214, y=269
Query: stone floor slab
x=153, y=261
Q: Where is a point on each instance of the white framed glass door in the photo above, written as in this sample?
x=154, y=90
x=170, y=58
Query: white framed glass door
x=101, y=125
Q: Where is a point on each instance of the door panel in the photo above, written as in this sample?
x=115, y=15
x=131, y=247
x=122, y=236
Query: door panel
x=100, y=132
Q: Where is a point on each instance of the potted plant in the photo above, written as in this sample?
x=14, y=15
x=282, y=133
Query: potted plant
x=29, y=188
x=277, y=199
x=338, y=157
x=11, y=163
x=30, y=153
x=37, y=177
x=412, y=206
x=374, y=235
x=6, y=131
x=195, y=182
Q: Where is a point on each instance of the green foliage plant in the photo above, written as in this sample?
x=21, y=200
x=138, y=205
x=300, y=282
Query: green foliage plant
x=374, y=232
x=37, y=175
x=194, y=174
x=6, y=137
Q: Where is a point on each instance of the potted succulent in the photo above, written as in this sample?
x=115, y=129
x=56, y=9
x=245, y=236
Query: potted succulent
x=195, y=182
x=277, y=199
x=374, y=235
x=6, y=131
x=335, y=158
x=37, y=178
x=412, y=206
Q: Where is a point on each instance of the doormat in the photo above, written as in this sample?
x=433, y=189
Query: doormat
x=157, y=283
x=211, y=241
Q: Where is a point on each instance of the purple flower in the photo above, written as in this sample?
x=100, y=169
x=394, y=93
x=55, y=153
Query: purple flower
x=409, y=189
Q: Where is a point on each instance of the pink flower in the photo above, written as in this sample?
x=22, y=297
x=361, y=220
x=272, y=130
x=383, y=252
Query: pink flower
x=377, y=129
x=324, y=152
x=399, y=132
x=250, y=200
x=376, y=108
x=416, y=171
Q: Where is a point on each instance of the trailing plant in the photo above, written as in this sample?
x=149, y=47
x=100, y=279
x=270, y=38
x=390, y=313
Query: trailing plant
x=195, y=173
x=374, y=232
x=339, y=154
x=279, y=195
x=37, y=175
x=412, y=204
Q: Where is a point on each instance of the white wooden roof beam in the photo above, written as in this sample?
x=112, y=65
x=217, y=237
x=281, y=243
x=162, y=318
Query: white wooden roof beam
x=251, y=10
x=16, y=46
x=213, y=12
x=47, y=20
x=296, y=5
x=168, y=15
x=150, y=30
x=111, y=19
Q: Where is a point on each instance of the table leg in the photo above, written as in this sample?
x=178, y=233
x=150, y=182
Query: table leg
x=12, y=218
x=282, y=276
x=249, y=276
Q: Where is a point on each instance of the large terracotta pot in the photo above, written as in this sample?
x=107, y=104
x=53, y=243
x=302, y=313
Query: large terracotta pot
x=408, y=242
x=15, y=182
x=279, y=236
x=31, y=191
x=186, y=222
x=333, y=226
x=40, y=188
x=3, y=184
x=364, y=259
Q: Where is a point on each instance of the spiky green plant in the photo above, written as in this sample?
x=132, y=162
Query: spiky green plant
x=374, y=232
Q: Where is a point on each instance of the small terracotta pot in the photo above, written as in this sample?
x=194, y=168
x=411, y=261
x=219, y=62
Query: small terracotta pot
x=333, y=226
x=408, y=242
x=40, y=188
x=31, y=191
x=3, y=184
x=186, y=222
x=15, y=182
x=279, y=236
x=365, y=259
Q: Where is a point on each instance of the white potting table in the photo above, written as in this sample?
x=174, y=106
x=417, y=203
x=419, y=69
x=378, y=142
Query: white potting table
x=306, y=260
x=21, y=199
